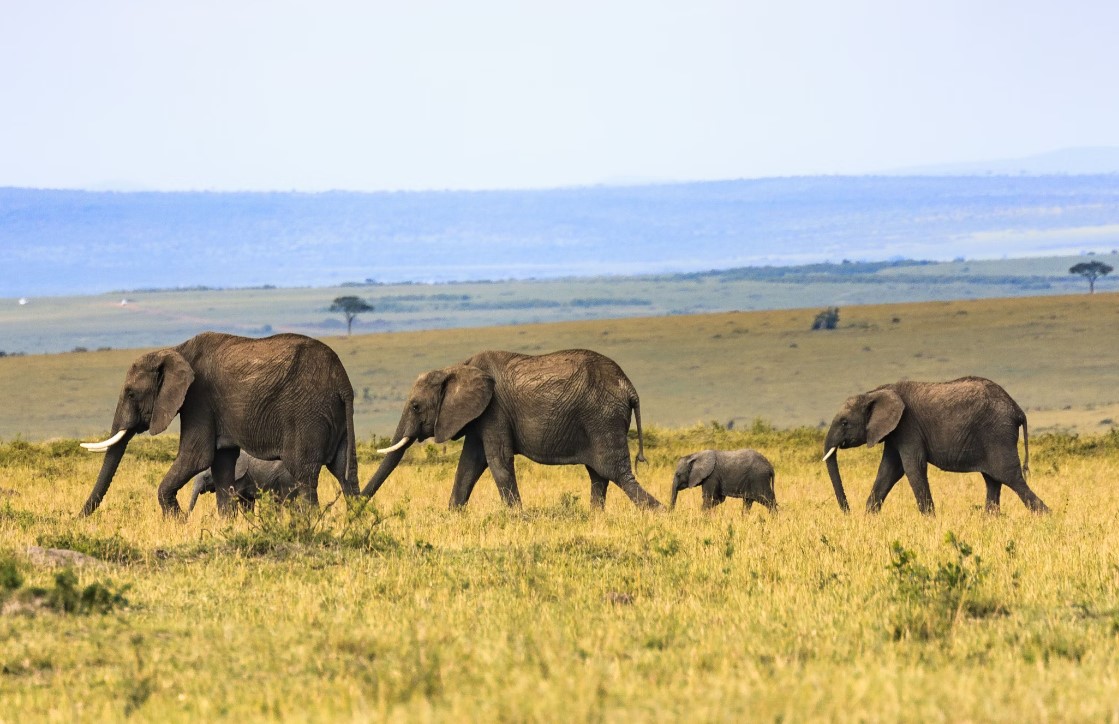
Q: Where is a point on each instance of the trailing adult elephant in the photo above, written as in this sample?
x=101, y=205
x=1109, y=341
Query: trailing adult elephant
x=285, y=397
x=723, y=474
x=563, y=408
x=251, y=477
x=966, y=425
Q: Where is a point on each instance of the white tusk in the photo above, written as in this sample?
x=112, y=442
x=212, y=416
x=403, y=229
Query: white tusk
x=394, y=448
x=830, y=453
x=104, y=444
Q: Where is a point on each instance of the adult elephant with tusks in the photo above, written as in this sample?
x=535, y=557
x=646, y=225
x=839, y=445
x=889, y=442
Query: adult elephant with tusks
x=965, y=425
x=563, y=408
x=285, y=397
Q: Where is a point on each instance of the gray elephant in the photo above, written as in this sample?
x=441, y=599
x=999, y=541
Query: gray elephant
x=726, y=474
x=251, y=477
x=966, y=425
x=285, y=397
x=564, y=408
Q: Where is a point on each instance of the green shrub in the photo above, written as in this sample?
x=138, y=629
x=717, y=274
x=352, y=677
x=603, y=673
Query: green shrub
x=932, y=603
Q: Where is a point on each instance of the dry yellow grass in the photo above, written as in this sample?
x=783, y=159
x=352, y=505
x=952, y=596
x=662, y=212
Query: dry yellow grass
x=557, y=613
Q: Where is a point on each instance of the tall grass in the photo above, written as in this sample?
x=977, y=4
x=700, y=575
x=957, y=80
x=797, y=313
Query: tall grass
x=406, y=610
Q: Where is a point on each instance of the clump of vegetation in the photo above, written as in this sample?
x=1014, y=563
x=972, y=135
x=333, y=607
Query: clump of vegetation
x=66, y=596
x=274, y=529
x=931, y=603
x=827, y=319
x=113, y=549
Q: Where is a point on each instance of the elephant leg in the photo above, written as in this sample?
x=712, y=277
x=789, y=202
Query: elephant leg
x=223, y=469
x=337, y=468
x=917, y=470
x=471, y=464
x=890, y=471
x=505, y=475
x=629, y=485
x=994, y=490
x=746, y=505
x=711, y=498
x=182, y=470
x=1013, y=479
x=306, y=475
x=599, y=484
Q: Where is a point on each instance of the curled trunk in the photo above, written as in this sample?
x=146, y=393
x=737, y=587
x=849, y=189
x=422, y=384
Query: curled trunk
x=108, y=469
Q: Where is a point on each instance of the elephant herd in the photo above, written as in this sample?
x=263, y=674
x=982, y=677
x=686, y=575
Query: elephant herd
x=267, y=414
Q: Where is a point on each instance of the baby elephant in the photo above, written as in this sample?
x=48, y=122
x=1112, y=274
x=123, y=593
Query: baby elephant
x=250, y=478
x=742, y=474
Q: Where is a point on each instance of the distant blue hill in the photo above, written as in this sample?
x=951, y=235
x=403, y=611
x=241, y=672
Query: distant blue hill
x=75, y=242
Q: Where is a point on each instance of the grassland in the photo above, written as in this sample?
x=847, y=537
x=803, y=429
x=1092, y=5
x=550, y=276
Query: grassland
x=408, y=611
x=1055, y=355
x=162, y=318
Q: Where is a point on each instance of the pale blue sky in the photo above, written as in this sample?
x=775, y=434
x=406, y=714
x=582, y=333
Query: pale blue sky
x=512, y=94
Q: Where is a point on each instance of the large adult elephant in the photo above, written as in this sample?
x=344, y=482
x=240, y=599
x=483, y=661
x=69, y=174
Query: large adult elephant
x=962, y=426
x=563, y=408
x=251, y=477
x=285, y=397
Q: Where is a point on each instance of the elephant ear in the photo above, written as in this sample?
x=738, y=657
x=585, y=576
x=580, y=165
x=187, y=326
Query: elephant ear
x=466, y=393
x=702, y=465
x=175, y=376
x=884, y=412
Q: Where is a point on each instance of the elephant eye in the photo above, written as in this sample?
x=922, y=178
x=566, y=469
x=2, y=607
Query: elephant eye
x=843, y=423
x=415, y=407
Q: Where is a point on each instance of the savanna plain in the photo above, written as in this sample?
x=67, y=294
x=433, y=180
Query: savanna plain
x=399, y=609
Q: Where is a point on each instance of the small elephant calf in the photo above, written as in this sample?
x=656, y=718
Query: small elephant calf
x=726, y=474
x=251, y=477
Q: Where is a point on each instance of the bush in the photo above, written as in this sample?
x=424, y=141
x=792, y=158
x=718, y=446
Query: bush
x=65, y=597
x=932, y=603
x=827, y=319
x=274, y=528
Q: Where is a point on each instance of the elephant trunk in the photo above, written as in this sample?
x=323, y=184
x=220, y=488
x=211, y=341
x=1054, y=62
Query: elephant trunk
x=384, y=470
x=113, y=455
x=675, y=492
x=831, y=446
x=407, y=432
x=202, y=484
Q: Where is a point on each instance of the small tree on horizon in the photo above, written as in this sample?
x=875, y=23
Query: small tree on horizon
x=1091, y=270
x=350, y=307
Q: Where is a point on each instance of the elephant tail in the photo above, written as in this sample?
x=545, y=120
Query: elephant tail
x=1026, y=439
x=635, y=405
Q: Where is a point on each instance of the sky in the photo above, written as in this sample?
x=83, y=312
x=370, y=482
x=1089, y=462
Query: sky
x=495, y=94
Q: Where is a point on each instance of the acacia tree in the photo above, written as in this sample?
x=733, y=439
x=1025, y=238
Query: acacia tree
x=1091, y=270
x=350, y=307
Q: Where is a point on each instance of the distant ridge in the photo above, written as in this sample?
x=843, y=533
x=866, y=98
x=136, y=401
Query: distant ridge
x=1071, y=161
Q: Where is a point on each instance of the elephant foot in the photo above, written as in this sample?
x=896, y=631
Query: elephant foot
x=174, y=512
